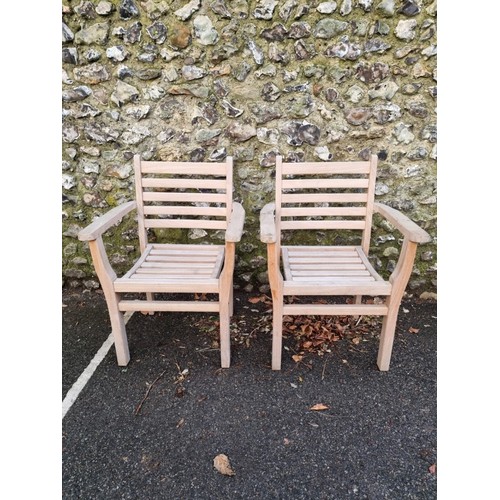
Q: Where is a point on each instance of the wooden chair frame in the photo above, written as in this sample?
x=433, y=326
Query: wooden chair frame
x=173, y=195
x=306, y=200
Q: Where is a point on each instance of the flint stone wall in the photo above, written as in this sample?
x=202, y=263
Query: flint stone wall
x=201, y=80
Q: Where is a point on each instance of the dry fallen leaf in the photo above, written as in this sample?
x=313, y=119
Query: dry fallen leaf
x=319, y=407
x=297, y=358
x=221, y=463
x=432, y=469
x=413, y=330
x=254, y=300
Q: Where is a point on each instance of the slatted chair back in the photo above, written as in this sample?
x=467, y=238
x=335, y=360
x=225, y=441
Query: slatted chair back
x=182, y=195
x=323, y=196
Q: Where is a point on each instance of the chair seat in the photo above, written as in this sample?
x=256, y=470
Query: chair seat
x=330, y=270
x=170, y=267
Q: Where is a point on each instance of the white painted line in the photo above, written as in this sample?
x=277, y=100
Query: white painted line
x=78, y=386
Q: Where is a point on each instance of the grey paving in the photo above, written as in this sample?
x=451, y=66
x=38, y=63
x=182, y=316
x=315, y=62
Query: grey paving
x=377, y=440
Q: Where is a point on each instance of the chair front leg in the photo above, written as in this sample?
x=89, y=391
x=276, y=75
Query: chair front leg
x=399, y=279
x=276, y=284
x=106, y=277
x=225, y=304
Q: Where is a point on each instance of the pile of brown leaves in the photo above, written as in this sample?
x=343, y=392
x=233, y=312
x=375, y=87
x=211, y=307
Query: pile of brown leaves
x=317, y=334
x=312, y=334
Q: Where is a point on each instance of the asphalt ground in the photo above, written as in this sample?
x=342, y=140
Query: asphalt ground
x=152, y=430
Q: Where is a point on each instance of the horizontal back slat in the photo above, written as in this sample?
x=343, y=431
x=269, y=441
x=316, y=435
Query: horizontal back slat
x=186, y=223
x=184, y=197
x=183, y=183
x=324, y=198
x=184, y=210
x=323, y=224
x=323, y=211
x=324, y=183
x=182, y=168
x=314, y=168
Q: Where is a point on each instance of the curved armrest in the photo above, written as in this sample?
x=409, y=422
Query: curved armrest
x=268, y=223
x=407, y=227
x=104, y=222
x=234, y=229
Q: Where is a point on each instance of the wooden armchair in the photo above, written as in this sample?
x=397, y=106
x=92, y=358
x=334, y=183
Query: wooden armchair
x=333, y=196
x=173, y=195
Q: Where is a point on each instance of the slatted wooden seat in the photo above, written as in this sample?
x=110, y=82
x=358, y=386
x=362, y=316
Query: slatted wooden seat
x=173, y=195
x=333, y=196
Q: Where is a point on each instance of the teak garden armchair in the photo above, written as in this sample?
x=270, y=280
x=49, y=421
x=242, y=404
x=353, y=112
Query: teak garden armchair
x=333, y=196
x=173, y=195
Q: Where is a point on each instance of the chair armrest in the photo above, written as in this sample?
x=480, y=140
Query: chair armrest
x=406, y=226
x=268, y=223
x=234, y=229
x=104, y=222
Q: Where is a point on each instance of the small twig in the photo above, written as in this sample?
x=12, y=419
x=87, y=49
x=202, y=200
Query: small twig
x=139, y=406
x=323, y=372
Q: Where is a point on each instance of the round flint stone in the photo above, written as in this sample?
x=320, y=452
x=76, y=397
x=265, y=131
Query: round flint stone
x=265, y=9
x=299, y=132
x=97, y=33
x=69, y=55
x=193, y=72
x=377, y=45
x=264, y=113
x=326, y=7
x=76, y=94
x=218, y=154
x=329, y=28
x=241, y=71
x=117, y=53
x=204, y=31
x=331, y=94
x=92, y=55
x=268, y=135
x=157, y=31
x=104, y=8
x=133, y=33
x=405, y=29
x=358, y=116
x=386, y=8
x=303, y=51
x=344, y=50
x=277, y=33
x=67, y=34
x=220, y=8
x=410, y=8
x=270, y=92
x=92, y=73
x=298, y=30
x=345, y=8
x=128, y=9
x=197, y=154
x=241, y=132
x=256, y=51
x=124, y=93
x=184, y=13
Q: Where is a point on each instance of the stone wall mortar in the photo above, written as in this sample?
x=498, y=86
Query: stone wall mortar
x=200, y=80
